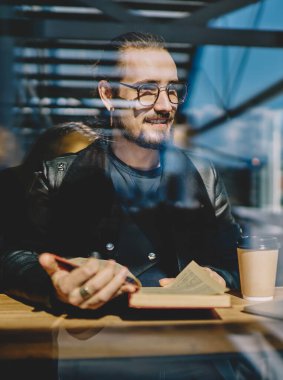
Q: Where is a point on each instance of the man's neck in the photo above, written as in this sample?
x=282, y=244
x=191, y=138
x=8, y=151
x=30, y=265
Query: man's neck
x=135, y=156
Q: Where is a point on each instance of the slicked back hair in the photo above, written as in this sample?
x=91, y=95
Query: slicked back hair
x=138, y=40
x=107, y=66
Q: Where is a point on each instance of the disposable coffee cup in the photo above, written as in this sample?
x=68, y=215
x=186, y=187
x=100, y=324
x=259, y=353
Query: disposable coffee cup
x=258, y=257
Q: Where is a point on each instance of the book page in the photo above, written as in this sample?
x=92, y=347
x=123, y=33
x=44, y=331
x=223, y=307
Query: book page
x=196, y=280
x=166, y=290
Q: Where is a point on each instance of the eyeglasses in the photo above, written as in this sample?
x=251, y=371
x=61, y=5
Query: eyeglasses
x=148, y=93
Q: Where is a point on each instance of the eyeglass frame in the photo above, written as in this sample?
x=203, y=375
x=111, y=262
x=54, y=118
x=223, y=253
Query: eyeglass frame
x=137, y=88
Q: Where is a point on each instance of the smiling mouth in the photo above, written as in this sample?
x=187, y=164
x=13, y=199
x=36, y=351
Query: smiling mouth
x=157, y=121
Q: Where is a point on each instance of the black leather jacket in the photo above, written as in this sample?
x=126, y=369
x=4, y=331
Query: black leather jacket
x=74, y=212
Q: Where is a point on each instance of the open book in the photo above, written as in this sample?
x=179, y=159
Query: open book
x=192, y=288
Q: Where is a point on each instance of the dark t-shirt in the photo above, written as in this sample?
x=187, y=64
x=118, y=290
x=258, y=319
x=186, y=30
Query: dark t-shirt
x=137, y=191
x=135, y=188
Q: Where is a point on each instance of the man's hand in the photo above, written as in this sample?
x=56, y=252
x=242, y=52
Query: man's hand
x=89, y=286
x=216, y=276
x=212, y=273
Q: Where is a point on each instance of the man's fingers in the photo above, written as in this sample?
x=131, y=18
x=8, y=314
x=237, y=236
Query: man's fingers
x=82, y=274
x=93, y=284
x=57, y=276
x=128, y=288
x=215, y=276
x=48, y=262
x=166, y=281
x=107, y=292
x=88, y=286
x=99, y=289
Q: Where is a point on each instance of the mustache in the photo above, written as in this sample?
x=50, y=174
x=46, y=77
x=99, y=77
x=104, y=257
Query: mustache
x=168, y=116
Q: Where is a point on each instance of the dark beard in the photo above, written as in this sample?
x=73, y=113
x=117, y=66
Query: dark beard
x=140, y=141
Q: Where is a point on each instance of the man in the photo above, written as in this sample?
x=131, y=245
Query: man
x=132, y=198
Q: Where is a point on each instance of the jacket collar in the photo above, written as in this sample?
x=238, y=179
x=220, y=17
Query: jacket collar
x=181, y=184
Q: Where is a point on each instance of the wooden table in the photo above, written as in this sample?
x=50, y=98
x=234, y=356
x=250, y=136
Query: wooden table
x=29, y=333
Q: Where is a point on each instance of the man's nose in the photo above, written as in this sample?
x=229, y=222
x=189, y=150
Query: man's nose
x=163, y=103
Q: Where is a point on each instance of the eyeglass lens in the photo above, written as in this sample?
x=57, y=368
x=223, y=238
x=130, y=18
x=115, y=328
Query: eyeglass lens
x=149, y=92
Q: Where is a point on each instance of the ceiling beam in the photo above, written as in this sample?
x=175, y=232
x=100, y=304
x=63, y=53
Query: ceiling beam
x=83, y=30
x=215, y=10
x=200, y=17
x=113, y=10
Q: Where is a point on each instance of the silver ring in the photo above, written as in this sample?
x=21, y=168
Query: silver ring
x=84, y=292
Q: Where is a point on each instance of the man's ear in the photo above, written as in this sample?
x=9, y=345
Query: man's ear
x=105, y=93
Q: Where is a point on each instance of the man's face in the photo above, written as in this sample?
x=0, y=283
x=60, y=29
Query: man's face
x=147, y=126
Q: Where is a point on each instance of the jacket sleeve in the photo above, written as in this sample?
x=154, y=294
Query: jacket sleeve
x=21, y=275
x=227, y=230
